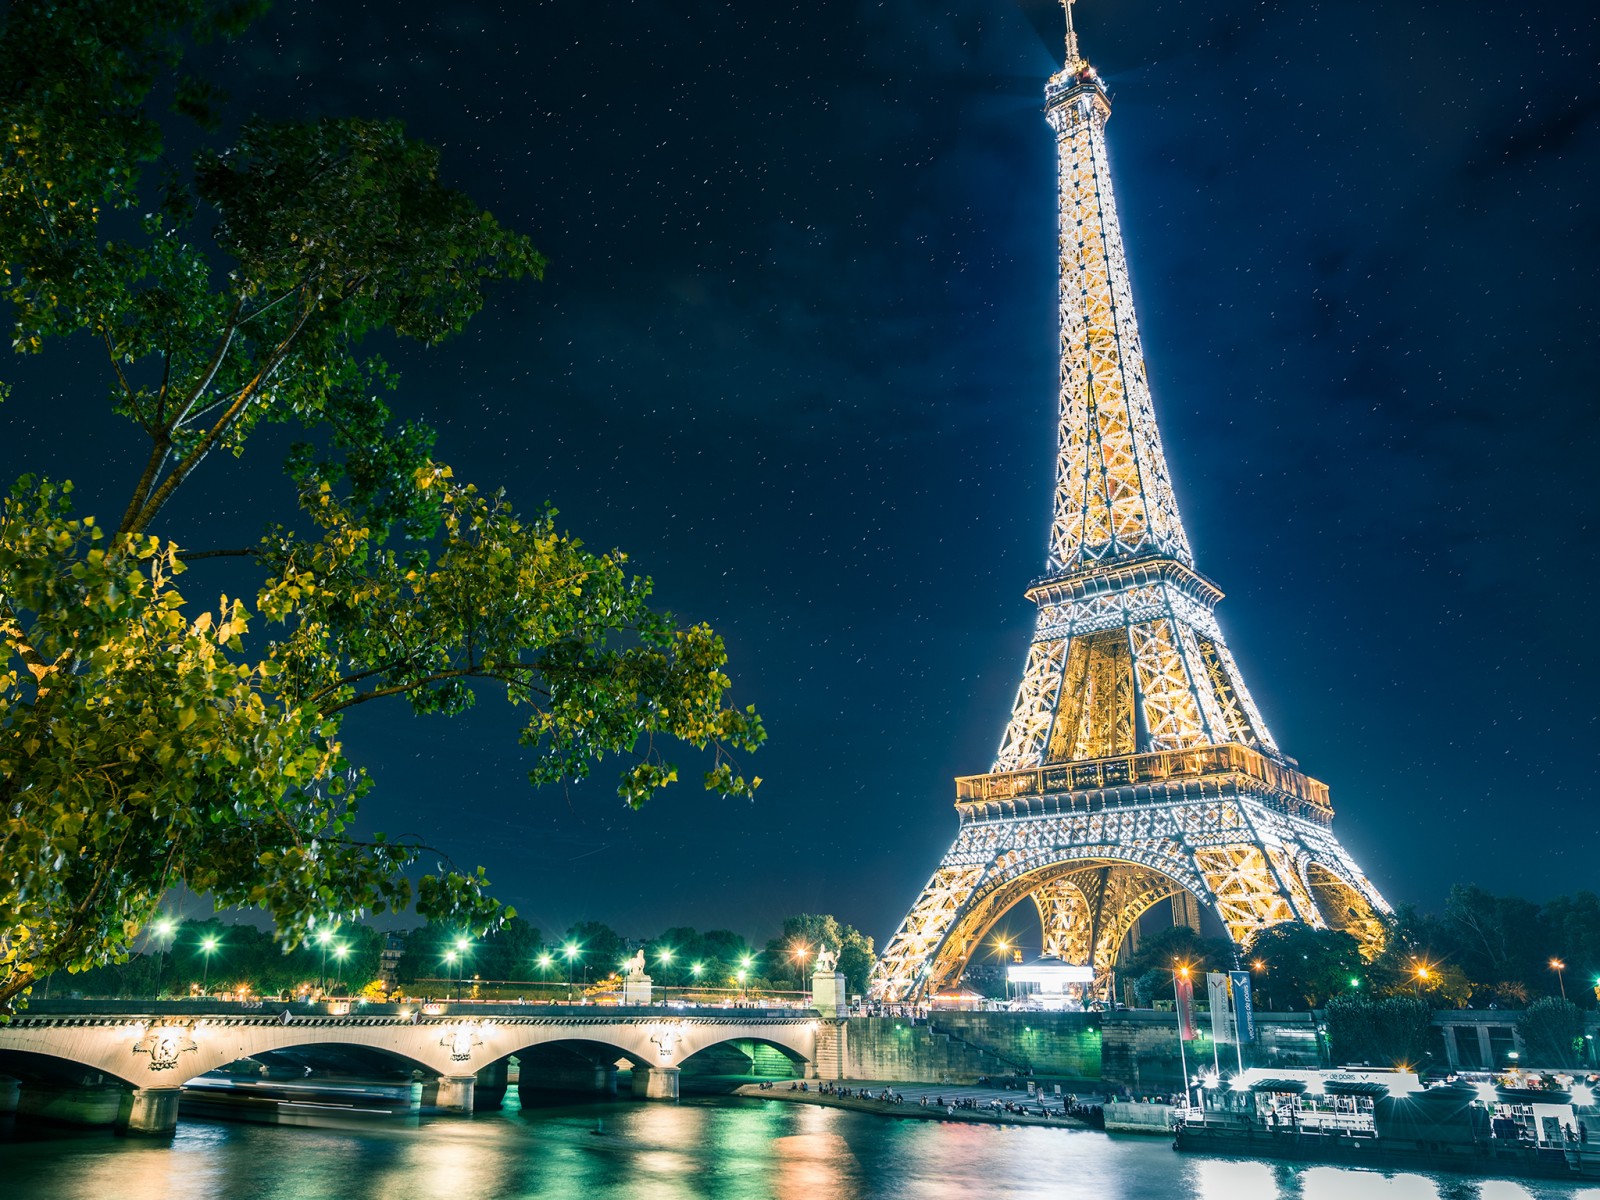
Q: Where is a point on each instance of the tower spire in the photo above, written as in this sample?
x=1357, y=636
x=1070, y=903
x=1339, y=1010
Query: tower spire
x=1075, y=61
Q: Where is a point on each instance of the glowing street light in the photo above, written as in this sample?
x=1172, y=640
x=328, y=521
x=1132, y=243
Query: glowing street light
x=208, y=947
x=571, y=951
x=339, y=953
x=1559, y=967
x=323, y=938
x=1002, y=949
x=164, y=929
x=800, y=954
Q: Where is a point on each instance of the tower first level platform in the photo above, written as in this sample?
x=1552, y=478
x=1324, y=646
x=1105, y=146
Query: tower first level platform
x=1096, y=844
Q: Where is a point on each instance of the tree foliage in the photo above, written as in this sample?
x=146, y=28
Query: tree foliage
x=1552, y=1029
x=143, y=743
x=811, y=932
x=1302, y=967
x=1387, y=1031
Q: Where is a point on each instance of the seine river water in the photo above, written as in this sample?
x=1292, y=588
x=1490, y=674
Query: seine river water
x=718, y=1149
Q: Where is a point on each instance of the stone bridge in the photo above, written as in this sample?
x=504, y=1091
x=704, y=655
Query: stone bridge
x=155, y=1048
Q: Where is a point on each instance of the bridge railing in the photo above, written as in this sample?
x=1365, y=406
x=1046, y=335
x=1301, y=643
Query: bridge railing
x=355, y=1008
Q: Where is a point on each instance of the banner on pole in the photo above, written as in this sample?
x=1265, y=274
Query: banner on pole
x=1217, y=993
x=1244, y=1006
x=1184, y=991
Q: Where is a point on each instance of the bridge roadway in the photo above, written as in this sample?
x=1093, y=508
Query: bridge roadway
x=154, y=1047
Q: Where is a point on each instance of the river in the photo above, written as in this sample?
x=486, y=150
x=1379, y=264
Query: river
x=695, y=1150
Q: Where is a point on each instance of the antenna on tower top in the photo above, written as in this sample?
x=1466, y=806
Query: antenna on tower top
x=1074, y=59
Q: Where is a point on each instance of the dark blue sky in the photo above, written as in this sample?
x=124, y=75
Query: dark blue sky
x=795, y=353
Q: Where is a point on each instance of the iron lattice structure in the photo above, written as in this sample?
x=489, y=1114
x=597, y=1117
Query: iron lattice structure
x=1135, y=768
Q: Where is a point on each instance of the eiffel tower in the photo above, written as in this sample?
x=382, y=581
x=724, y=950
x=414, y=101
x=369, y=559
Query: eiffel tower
x=1135, y=768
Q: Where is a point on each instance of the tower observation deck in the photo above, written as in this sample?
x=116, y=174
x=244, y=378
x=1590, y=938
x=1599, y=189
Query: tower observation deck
x=1135, y=766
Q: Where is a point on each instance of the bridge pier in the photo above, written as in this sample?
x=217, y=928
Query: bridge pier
x=152, y=1112
x=455, y=1093
x=490, y=1092
x=655, y=1083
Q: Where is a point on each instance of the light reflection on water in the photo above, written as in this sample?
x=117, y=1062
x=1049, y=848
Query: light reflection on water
x=699, y=1150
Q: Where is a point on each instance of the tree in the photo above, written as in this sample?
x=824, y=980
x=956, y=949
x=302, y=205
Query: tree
x=1174, y=946
x=1552, y=1029
x=811, y=932
x=600, y=949
x=672, y=954
x=508, y=952
x=1572, y=933
x=1499, y=939
x=1391, y=1031
x=144, y=744
x=1305, y=967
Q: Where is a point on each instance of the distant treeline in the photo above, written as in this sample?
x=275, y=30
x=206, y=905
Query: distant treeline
x=1483, y=950
x=181, y=958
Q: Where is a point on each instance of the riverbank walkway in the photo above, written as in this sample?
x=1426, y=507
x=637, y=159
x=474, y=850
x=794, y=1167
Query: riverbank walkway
x=940, y=1102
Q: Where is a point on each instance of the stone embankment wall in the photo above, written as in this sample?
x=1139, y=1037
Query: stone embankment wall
x=1137, y=1050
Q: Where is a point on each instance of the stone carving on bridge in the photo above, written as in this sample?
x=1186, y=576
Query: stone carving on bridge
x=827, y=961
x=164, y=1043
x=463, y=1038
x=635, y=965
x=666, y=1041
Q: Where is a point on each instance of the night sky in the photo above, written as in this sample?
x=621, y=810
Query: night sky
x=796, y=355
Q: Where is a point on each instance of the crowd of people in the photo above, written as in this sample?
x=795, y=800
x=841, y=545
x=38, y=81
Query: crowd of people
x=1067, y=1107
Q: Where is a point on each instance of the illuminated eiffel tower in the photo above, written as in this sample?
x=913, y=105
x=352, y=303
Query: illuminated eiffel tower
x=1135, y=768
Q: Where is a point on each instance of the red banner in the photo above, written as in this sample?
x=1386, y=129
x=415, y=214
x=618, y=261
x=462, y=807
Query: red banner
x=1184, y=990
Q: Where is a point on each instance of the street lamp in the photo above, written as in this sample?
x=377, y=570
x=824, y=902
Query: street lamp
x=451, y=958
x=1423, y=974
x=800, y=954
x=571, y=951
x=744, y=969
x=323, y=938
x=207, y=947
x=339, y=953
x=163, y=930
x=1002, y=949
x=1558, y=967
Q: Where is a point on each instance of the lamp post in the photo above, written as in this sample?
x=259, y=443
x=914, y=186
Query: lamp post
x=1422, y=976
x=571, y=951
x=1559, y=968
x=697, y=969
x=323, y=938
x=1002, y=948
x=744, y=969
x=1183, y=1055
x=207, y=947
x=339, y=953
x=664, y=957
x=462, y=946
x=163, y=930
x=544, y=966
x=451, y=958
x=801, y=953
